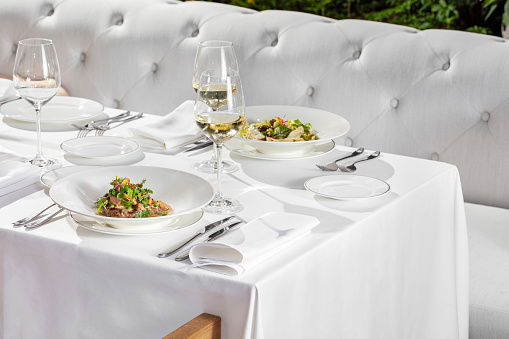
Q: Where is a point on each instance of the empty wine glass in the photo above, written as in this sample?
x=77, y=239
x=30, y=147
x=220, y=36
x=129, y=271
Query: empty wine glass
x=36, y=78
x=219, y=111
x=214, y=55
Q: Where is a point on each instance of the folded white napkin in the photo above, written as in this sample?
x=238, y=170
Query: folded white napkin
x=6, y=89
x=174, y=129
x=15, y=175
x=252, y=244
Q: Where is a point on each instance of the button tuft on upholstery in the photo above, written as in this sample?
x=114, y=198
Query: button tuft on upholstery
x=500, y=40
x=195, y=33
x=485, y=116
x=446, y=66
x=116, y=103
x=411, y=31
x=310, y=91
x=14, y=48
x=434, y=156
x=348, y=142
x=394, y=103
x=356, y=54
x=83, y=57
x=120, y=21
x=154, y=67
x=274, y=42
x=51, y=12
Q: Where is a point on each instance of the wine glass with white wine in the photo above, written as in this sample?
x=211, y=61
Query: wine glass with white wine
x=219, y=111
x=36, y=78
x=214, y=55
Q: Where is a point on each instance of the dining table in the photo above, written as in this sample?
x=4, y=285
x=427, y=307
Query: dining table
x=387, y=266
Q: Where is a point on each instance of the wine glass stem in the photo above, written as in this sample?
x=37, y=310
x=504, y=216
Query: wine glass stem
x=38, y=126
x=219, y=194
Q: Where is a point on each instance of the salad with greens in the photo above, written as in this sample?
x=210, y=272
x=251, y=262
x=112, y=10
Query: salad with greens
x=128, y=200
x=278, y=129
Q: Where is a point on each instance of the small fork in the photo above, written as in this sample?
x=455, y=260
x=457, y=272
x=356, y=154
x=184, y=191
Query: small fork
x=100, y=129
x=333, y=166
x=351, y=168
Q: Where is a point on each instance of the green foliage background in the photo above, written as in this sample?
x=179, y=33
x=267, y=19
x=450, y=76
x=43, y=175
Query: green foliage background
x=469, y=15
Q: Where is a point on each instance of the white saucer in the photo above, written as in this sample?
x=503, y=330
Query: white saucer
x=347, y=186
x=239, y=147
x=99, y=147
x=175, y=224
x=60, y=109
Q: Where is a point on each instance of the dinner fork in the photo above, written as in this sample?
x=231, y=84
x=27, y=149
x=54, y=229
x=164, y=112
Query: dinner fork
x=100, y=129
x=351, y=168
x=333, y=166
x=40, y=222
x=31, y=217
x=87, y=128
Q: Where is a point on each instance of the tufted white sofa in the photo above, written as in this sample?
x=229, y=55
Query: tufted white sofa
x=435, y=94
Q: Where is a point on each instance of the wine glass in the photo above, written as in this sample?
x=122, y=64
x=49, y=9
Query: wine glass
x=219, y=111
x=214, y=55
x=36, y=78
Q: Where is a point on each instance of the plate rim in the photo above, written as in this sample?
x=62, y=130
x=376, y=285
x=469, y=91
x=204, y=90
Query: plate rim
x=17, y=117
x=297, y=156
x=135, y=144
x=123, y=231
x=306, y=183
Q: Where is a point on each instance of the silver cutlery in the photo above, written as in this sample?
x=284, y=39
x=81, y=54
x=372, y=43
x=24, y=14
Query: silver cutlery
x=185, y=254
x=334, y=167
x=200, y=146
x=100, y=129
x=87, y=128
x=42, y=221
x=351, y=168
x=195, y=143
x=207, y=229
x=31, y=217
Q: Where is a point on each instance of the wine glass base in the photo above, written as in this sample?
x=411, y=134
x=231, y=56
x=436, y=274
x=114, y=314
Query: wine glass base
x=46, y=164
x=225, y=206
x=209, y=166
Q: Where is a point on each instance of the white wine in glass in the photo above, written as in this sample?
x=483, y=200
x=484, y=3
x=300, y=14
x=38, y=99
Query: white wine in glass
x=220, y=124
x=36, y=78
x=220, y=56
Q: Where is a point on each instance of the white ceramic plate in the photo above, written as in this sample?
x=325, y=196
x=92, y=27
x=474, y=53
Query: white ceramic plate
x=60, y=109
x=183, y=191
x=241, y=148
x=347, y=186
x=99, y=147
x=178, y=223
x=328, y=126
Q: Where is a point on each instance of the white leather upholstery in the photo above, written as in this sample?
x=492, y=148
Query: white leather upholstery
x=435, y=94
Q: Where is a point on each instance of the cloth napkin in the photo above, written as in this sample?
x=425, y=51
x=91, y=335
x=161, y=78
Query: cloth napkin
x=15, y=175
x=174, y=129
x=252, y=244
x=6, y=89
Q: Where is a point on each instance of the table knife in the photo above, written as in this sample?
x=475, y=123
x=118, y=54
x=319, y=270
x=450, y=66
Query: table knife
x=207, y=229
x=203, y=145
x=185, y=254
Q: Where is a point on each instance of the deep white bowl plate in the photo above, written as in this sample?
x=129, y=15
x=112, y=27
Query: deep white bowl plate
x=183, y=191
x=174, y=225
x=241, y=148
x=99, y=147
x=60, y=109
x=328, y=126
x=347, y=186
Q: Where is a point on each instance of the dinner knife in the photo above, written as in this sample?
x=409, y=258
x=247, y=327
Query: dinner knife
x=207, y=229
x=185, y=254
x=203, y=145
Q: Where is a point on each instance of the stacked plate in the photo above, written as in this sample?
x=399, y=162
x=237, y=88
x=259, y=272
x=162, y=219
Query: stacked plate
x=184, y=192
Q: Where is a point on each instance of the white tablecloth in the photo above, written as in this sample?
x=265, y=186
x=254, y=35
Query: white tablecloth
x=389, y=267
